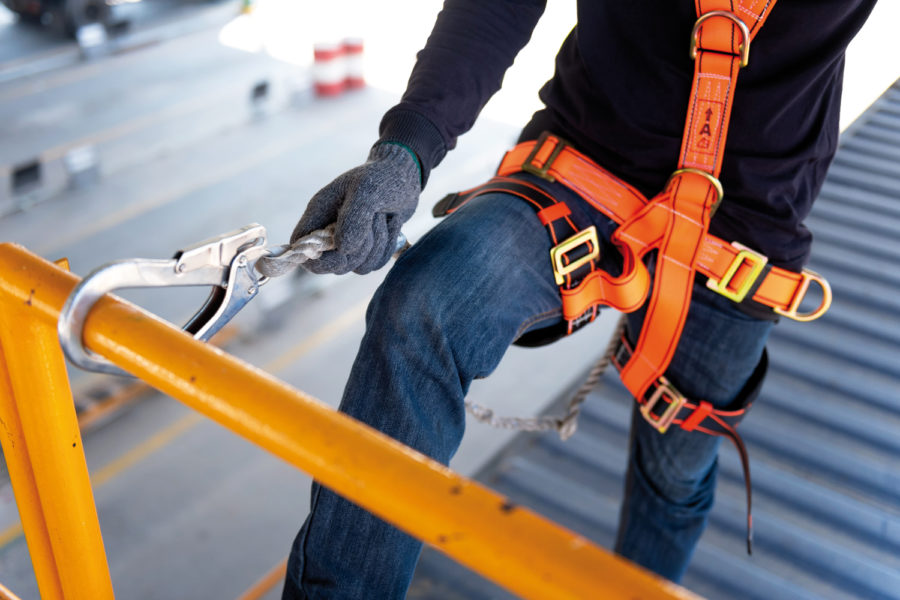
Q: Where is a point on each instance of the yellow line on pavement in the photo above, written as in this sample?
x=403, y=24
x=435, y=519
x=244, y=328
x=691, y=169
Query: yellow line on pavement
x=329, y=331
x=125, y=461
x=10, y=533
x=266, y=582
x=146, y=448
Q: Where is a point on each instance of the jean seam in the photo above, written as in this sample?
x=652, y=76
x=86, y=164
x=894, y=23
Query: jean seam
x=312, y=511
x=549, y=314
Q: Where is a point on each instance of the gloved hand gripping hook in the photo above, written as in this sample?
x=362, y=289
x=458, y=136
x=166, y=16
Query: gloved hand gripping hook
x=226, y=262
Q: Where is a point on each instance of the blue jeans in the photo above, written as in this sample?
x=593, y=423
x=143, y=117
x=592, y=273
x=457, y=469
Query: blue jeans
x=445, y=314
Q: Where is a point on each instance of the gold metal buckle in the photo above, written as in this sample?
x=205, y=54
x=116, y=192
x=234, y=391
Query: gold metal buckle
x=745, y=31
x=663, y=388
x=712, y=180
x=544, y=172
x=757, y=263
x=557, y=252
x=791, y=312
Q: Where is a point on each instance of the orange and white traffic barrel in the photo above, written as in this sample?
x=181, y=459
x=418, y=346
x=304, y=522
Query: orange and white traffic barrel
x=353, y=63
x=329, y=72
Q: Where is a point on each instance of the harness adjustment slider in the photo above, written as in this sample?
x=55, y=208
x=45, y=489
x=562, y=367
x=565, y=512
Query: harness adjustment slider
x=667, y=392
x=529, y=166
x=559, y=252
x=745, y=255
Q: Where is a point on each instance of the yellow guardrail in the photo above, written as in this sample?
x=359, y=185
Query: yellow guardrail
x=516, y=548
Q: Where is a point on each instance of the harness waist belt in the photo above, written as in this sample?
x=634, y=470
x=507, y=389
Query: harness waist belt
x=735, y=271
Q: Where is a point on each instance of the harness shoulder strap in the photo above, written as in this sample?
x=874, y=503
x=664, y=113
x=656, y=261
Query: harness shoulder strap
x=679, y=217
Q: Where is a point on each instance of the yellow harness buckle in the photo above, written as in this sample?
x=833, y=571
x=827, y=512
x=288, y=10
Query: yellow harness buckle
x=529, y=166
x=745, y=255
x=559, y=252
x=664, y=390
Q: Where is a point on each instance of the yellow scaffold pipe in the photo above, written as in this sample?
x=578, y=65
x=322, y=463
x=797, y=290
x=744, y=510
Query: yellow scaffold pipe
x=43, y=450
x=518, y=549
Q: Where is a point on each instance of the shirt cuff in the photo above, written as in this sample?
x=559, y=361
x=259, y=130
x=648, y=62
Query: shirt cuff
x=417, y=133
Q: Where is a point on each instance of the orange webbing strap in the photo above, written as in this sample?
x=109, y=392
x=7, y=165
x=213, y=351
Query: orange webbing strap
x=734, y=271
x=720, y=47
x=682, y=219
x=552, y=158
x=743, y=275
x=573, y=256
x=720, y=44
x=664, y=406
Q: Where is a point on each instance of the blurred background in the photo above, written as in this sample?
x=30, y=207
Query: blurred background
x=133, y=128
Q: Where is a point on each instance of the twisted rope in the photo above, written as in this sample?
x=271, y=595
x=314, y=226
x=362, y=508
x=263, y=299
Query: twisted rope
x=288, y=257
x=566, y=424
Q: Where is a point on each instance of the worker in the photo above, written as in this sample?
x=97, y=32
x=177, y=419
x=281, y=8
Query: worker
x=631, y=140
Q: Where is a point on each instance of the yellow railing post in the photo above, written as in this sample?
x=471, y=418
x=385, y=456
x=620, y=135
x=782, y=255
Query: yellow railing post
x=55, y=498
x=518, y=549
x=27, y=499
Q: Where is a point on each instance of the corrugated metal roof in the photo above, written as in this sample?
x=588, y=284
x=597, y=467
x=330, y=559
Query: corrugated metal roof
x=824, y=437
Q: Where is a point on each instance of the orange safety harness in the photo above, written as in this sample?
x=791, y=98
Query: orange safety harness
x=675, y=223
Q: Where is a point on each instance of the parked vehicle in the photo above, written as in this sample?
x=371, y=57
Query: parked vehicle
x=71, y=14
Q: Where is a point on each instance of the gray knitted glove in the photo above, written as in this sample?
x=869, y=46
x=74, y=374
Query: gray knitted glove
x=368, y=204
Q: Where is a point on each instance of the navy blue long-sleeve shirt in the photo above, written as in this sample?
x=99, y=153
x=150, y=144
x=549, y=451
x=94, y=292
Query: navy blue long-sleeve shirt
x=620, y=93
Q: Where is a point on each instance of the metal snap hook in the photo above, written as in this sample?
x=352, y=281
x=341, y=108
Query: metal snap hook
x=226, y=262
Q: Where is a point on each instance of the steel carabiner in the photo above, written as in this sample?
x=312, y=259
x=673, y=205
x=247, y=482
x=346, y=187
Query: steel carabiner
x=226, y=262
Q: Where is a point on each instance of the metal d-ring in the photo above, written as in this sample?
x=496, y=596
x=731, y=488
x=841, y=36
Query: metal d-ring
x=745, y=32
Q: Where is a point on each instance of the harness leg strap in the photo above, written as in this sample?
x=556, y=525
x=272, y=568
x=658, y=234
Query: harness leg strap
x=574, y=256
x=663, y=406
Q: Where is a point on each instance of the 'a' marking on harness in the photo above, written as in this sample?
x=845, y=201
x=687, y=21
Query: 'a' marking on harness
x=706, y=130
